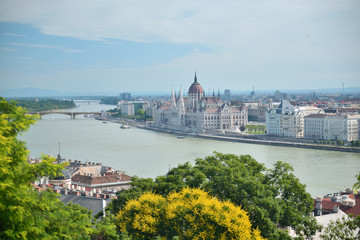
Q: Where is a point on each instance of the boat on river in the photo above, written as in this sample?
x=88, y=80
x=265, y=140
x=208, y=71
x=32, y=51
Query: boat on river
x=181, y=137
x=124, y=126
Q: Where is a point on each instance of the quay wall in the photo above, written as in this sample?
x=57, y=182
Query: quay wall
x=254, y=141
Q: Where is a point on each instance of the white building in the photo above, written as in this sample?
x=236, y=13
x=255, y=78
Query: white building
x=344, y=127
x=130, y=107
x=332, y=127
x=127, y=108
x=287, y=120
x=314, y=126
x=197, y=113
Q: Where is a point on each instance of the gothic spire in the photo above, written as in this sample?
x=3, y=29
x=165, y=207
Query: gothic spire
x=181, y=101
x=173, y=101
x=195, y=79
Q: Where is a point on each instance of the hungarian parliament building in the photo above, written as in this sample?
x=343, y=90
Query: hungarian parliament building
x=199, y=113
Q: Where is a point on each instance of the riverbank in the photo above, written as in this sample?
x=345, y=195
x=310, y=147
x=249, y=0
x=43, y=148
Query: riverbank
x=248, y=139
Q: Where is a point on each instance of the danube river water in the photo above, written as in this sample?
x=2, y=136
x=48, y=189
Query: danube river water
x=149, y=154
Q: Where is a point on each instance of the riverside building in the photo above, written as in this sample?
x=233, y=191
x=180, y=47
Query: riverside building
x=287, y=120
x=199, y=113
x=332, y=127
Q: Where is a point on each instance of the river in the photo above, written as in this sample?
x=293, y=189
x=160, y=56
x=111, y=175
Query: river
x=149, y=154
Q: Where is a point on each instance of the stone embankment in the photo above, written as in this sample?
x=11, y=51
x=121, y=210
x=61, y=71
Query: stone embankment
x=248, y=139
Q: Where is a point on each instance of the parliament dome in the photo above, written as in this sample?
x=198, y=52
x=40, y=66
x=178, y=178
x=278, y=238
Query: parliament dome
x=196, y=88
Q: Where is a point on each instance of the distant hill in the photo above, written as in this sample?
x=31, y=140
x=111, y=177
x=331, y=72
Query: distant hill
x=38, y=92
x=303, y=91
x=29, y=92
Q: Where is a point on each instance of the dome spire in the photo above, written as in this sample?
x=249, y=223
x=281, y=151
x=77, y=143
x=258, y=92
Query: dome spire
x=195, y=79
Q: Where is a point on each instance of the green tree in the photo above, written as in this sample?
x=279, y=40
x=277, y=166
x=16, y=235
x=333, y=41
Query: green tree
x=356, y=186
x=140, y=114
x=188, y=214
x=25, y=213
x=105, y=229
x=339, y=142
x=110, y=100
x=273, y=197
x=44, y=104
x=342, y=229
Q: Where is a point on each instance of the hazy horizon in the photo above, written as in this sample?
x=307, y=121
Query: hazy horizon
x=35, y=92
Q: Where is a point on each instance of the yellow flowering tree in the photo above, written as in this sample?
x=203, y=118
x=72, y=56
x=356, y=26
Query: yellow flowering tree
x=188, y=214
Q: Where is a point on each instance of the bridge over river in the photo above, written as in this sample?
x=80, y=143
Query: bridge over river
x=71, y=114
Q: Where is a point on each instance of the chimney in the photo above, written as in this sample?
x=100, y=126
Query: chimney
x=336, y=209
x=103, y=206
x=318, y=206
x=318, y=213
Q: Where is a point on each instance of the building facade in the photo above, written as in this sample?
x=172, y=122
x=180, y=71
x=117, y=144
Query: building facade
x=314, y=126
x=332, y=127
x=287, y=120
x=198, y=113
x=129, y=108
x=344, y=127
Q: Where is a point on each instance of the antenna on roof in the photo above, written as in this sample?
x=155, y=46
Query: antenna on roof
x=59, y=148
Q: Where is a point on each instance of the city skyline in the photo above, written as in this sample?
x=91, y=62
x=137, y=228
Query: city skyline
x=150, y=46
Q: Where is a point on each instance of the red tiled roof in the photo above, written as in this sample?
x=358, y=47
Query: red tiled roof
x=211, y=100
x=355, y=211
x=315, y=116
x=235, y=109
x=327, y=204
x=101, y=179
x=212, y=110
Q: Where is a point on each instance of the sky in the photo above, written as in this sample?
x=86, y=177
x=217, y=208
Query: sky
x=142, y=45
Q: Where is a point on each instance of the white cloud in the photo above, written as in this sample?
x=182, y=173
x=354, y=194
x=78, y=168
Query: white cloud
x=256, y=30
x=276, y=43
x=32, y=45
x=211, y=22
x=14, y=34
x=6, y=49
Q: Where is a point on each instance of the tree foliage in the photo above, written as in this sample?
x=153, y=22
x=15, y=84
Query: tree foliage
x=110, y=100
x=25, y=213
x=343, y=229
x=273, y=197
x=44, y=104
x=256, y=129
x=356, y=185
x=188, y=214
x=355, y=143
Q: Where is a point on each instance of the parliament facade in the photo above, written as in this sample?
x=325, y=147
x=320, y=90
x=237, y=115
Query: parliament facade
x=199, y=113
